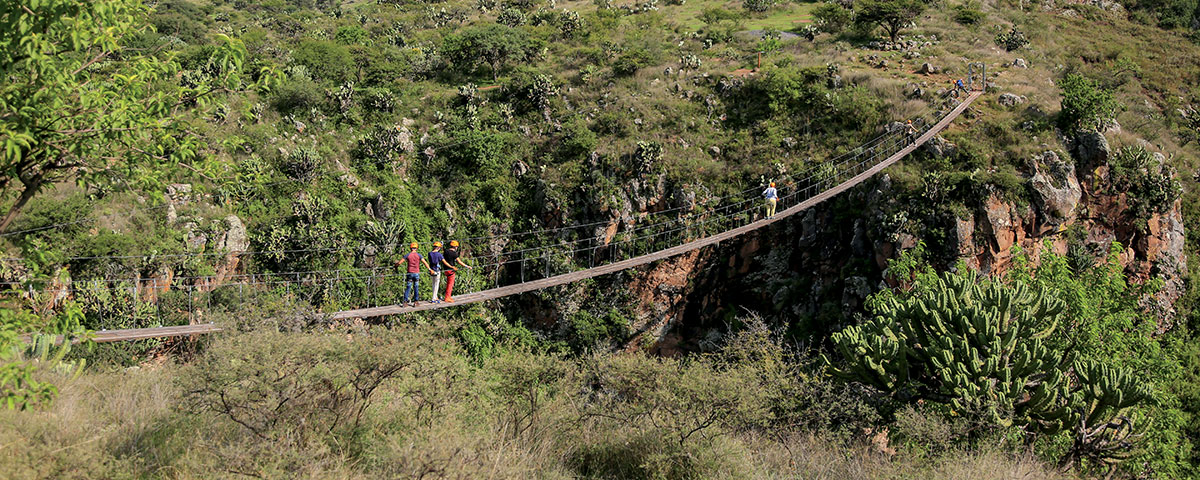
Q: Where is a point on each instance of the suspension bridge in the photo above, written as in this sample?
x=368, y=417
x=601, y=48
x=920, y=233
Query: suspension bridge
x=647, y=243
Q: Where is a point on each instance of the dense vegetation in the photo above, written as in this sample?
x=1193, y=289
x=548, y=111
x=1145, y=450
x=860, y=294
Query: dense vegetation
x=137, y=138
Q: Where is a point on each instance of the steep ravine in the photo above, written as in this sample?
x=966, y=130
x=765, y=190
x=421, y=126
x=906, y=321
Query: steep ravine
x=810, y=271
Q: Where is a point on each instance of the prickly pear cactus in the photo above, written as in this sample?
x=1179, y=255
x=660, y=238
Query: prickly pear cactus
x=971, y=343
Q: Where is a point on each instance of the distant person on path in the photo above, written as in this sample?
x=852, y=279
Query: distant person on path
x=412, y=277
x=772, y=197
x=435, y=259
x=451, y=261
x=911, y=131
x=959, y=86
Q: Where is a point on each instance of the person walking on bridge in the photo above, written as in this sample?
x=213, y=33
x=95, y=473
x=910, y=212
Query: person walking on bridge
x=911, y=131
x=436, y=259
x=772, y=197
x=412, y=277
x=451, y=261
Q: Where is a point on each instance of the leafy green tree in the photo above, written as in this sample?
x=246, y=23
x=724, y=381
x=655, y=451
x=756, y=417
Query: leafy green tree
x=496, y=46
x=75, y=104
x=1086, y=105
x=832, y=17
x=327, y=60
x=892, y=15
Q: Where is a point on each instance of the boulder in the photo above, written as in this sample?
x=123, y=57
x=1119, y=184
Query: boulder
x=1011, y=100
x=714, y=151
x=928, y=69
x=939, y=147
x=1020, y=63
x=235, y=239
x=834, y=82
x=999, y=224
x=1091, y=149
x=179, y=194
x=1057, y=190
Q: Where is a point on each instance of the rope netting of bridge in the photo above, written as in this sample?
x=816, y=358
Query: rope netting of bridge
x=569, y=253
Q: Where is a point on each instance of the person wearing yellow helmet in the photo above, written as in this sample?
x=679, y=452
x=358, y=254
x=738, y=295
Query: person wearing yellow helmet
x=412, y=277
x=772, y=197
x=451, y=261
x=436, y=259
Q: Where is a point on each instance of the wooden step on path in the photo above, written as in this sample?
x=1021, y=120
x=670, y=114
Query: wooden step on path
x=667, y=253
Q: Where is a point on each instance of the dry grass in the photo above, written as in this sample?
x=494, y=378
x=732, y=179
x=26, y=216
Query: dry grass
x=516, y=416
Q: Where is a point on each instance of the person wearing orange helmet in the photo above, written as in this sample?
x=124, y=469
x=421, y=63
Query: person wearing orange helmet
x=772, y=197
x=436, y=259
x=412, y=277
x=451, y=261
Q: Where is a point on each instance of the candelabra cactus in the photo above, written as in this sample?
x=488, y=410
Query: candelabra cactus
x=979, y=346
x=974, y=345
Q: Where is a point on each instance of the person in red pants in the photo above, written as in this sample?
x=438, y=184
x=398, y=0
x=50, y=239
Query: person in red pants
x=451, y=261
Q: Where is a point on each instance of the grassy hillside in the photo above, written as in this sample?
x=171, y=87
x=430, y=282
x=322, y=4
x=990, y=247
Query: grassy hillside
x=353, y=128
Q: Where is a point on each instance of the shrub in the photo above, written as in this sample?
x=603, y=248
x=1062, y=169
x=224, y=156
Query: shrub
x=352, y=35
x=1151, y=185
x=630, y=62
x=968, y=13
x=297, y=95
x=591, y=331
x=293, y=387
x=532, y=90
x=832, y=17
x=495, y=46
x=1086, y=105
x=577, y=140
x=511, y=17
x=301, y=163
x=1012, y=40
x=480, y=152
x=326, y=60
x=757, y=6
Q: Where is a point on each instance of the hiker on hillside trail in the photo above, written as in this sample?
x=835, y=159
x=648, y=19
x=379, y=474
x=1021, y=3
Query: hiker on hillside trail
x=412, y=277
x=451, y=261
x=772, y=197
x=959, y=86
x=911, y=131
x=435, y=259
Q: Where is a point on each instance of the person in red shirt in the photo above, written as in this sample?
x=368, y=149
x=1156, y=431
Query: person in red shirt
x=412, y=277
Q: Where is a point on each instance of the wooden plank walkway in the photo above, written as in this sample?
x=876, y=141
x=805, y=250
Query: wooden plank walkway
x=565, y=278
x=105, y=336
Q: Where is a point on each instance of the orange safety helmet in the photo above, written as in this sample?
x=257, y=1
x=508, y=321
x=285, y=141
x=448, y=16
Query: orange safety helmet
x=454, y=243
x=772, y=184
x=437, y=244
x=412, y=245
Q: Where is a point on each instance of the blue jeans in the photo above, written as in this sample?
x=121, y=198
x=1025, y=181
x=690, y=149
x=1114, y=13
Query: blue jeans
x=411, y=281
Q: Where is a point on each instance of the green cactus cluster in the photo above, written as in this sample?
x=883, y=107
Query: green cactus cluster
x=979, y=346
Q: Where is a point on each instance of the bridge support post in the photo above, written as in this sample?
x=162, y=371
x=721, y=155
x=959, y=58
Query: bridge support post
x=977, y=69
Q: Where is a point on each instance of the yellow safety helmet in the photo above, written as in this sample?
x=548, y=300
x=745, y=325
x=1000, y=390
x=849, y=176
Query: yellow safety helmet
x=454, y=243
x=437, y=244
x=412, y=245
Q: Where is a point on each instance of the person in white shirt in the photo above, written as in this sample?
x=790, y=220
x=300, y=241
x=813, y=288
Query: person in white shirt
x=772, y=197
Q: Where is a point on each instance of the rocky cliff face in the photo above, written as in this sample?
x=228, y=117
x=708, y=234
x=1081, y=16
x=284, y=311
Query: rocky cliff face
x=816, y=267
